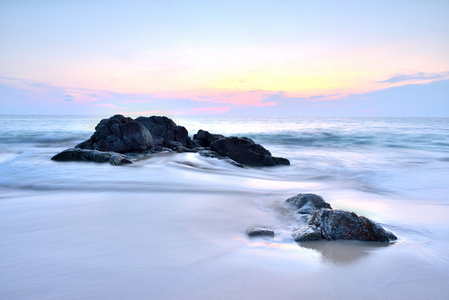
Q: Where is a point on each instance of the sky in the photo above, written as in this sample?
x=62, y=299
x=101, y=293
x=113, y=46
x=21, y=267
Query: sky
x=225, y=58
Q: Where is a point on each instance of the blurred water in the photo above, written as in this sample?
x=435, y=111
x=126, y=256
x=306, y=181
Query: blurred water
x=170, y=216
x=382, y=155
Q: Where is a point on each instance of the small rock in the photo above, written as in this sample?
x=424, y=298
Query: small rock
x=260, y=231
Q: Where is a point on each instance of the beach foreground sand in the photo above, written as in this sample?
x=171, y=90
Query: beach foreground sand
x=192, y=245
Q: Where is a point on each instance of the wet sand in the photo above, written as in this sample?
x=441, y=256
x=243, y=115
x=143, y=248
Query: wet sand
x=178, y=245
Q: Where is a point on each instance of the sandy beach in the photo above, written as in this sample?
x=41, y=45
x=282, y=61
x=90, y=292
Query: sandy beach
x=194, y=246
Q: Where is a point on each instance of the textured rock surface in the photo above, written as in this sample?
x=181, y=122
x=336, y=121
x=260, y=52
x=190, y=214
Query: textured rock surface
x=165, y=131
x=319, y=221
x=204, y=138
x=341, y=224
x=260, y=231
x=306, y=233
x=307, y=203
x=75, y=154
x=119, y=134
x=246, y=152
x=336, y=224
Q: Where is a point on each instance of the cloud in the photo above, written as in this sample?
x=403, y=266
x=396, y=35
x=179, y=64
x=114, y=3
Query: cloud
x=420, y=94
x=337, y=96
x=109, y=105
x=416, y=77
x=67, y=98
x=212, y=110
x=143, y=112
x=238, y=98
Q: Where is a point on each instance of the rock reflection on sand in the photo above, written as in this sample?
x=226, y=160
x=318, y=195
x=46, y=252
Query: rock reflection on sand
x=343, y=252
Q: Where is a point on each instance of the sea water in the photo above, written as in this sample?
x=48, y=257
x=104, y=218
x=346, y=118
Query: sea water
x=173, y=225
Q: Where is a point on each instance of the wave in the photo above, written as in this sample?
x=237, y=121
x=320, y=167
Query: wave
x=313, y=139
x=50, y=140
x=346, y=140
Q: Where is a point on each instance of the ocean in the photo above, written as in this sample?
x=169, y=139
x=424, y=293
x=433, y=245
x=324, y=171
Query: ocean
x=173, y=225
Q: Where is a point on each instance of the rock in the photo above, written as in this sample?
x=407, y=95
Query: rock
x=146, y=135
x=342, y=225
x=165, y=130
x=246, y=152
x=76, y=154
x=118, y=160
x=204, y=138
x=307, y=203
x=306, y=233
x=119, y=134
x=260, y=231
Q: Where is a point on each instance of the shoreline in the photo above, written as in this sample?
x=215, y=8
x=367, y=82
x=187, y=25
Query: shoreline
x=172, y=245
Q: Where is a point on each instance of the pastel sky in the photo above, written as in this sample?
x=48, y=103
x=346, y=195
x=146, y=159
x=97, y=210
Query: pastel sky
x=261, y=58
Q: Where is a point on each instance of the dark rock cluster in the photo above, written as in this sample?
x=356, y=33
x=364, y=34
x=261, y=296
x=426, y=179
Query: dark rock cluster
x=129, y=136
x=318, y=221
x=323, y=222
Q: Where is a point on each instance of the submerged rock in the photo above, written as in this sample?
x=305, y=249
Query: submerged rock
x=76, y=154
x=319, y=221
x=307, y=203
x=246, y=152
x=260, y=231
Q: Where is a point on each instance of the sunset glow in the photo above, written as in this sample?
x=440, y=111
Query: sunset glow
x=204, y=55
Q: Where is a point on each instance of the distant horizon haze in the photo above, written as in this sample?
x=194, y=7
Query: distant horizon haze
x=233, y=58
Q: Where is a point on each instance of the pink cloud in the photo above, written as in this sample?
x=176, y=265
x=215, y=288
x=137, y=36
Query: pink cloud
x=108, y=105
x=212, y=110
x=144, y=113
x=240, y=98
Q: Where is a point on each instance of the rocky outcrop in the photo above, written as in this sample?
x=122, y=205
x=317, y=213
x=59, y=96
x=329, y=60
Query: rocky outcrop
x=246, y=152
x=119, y=134
x=76, y=154
x=333, y=224
x=146, y=135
